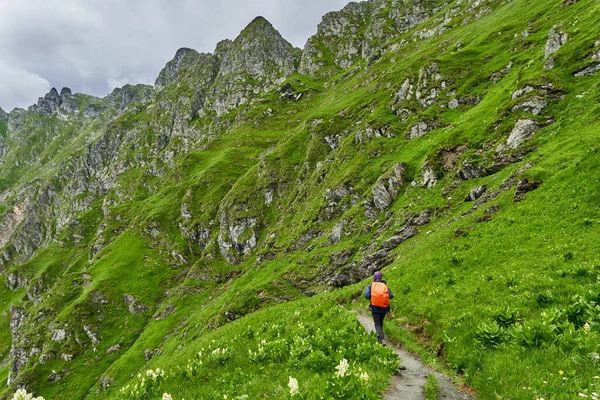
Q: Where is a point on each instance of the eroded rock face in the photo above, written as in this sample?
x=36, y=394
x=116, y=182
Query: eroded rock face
x=524, y=129
x=134, y=305
x=49, y=104
x=476, y=193
x=18, y=350
x=237, y=238
x=171, y=71
x=400, y=237
x=386, y=189
x=556, y=39
x=11, y=221
x=533, y=106
x=362, y=30
x=420, y=129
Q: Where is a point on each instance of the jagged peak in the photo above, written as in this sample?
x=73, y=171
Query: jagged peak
x=171, y=70
x=3, y=115
x=258, y=28
x=65, y=92
x=53, y=93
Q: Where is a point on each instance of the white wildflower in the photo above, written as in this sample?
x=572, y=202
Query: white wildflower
x=167, y=396
x=22, y=394
x=364, y=377
x=297, y=313
x=293, y=385
x=582, y=395
x=342, y=368
x=586, y=328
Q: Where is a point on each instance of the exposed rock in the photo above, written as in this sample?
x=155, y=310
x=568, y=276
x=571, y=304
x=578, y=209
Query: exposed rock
x=123, y=97
x=91, y=334
x=134, y=306
x=453, y=103
x=304, y=239
x=18, y=349
x=171, y=71
x=341, y=257
x=525, y=186
x=534, y=106
x=401, y=236
x=591, y=70
x=14, y=282
x=594, y=67
x=67, y=102
x=363, y=135
x=49, y=104
x=422, y=219
x=406, y=90
x=386, y=189
x=338, y=230
x=342, y=279
x=549, y=63
x=58, y=334
x=470, y=171
x=476, y=193
x=419, y=129
x=230, y=317
x=556, y=39
x=56, y=376
x=113, y=349
x=238, y=238
x=524, y=129
x=97, y=298
x=3, y=115
x=428, y=174
x=357, y=271
x=520, y=92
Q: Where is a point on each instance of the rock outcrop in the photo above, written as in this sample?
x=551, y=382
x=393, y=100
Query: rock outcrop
x=386, y=189
x=524, y=129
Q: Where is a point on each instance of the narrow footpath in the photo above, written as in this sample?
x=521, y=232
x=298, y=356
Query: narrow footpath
x=408, y=384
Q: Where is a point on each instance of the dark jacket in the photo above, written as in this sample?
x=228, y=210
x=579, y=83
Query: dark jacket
x=379, y=310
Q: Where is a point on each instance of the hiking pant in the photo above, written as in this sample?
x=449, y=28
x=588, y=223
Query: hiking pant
x=378, y=320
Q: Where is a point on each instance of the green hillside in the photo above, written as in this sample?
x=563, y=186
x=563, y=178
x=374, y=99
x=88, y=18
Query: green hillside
x=222, y=226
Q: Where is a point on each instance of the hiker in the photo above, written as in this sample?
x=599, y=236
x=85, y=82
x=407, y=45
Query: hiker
x=379, y=294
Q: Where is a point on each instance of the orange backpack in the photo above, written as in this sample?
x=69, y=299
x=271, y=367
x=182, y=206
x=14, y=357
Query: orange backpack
x=380, y=296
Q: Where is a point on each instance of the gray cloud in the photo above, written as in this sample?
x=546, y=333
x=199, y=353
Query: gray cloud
x=94, y=46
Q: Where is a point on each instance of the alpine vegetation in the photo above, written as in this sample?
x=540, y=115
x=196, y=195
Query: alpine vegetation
x=212, y=235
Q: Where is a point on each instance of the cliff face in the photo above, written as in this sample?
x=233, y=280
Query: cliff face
x=406, y=134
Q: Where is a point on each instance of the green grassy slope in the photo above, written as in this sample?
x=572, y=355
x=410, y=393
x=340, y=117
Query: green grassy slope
x=484, y=283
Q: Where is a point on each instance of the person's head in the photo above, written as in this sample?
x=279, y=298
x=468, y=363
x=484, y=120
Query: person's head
x=377, y=276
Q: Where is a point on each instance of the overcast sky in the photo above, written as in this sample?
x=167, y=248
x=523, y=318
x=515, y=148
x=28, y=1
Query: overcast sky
x=93, y=46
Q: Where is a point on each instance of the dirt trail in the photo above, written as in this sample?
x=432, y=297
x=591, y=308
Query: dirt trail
x=408, y=384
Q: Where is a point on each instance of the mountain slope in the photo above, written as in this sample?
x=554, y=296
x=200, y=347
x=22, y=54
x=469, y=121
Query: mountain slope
x=454, y=145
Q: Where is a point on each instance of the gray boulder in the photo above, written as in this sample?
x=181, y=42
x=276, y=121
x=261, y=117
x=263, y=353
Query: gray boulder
x=337, y=232
x=525, y=186
x=476, y=193
x=419, y=129
x=534, y=106
x=556, y=39
x=401, y=236
x=520, y=92
x=524, y=128
x=386, y=189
